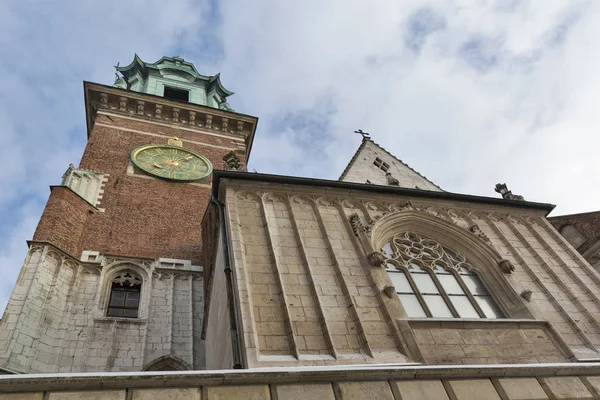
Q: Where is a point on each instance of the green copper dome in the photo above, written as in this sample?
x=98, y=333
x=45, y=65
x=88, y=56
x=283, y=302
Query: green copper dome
x=173, y=78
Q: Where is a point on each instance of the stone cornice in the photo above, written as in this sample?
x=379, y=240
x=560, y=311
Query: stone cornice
x=155, y=108
x=122, y=380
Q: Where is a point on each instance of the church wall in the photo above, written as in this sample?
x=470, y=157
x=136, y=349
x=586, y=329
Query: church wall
x=218, y=333
x=55, y=320
x=363, y=169
x=309, y=295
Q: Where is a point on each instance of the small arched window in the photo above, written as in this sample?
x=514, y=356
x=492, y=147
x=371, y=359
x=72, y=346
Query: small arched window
x=434, y=281
x=125, y=295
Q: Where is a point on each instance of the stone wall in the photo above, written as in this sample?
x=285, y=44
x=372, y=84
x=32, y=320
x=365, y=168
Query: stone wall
x=55, y=320
x=453, y=342
x=310, y=296
x=361, y=169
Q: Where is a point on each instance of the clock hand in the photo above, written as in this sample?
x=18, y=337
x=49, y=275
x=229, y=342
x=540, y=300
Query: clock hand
x=157, y=166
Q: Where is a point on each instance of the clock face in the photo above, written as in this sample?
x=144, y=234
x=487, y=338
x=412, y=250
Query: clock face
x=171, y=162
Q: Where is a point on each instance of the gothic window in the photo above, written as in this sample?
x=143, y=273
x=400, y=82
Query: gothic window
x=125, y=295
x=434, y=281
x=379, y=163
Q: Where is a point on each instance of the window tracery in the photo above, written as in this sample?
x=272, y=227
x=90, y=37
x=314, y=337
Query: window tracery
x=435, y=281
x=124, y=298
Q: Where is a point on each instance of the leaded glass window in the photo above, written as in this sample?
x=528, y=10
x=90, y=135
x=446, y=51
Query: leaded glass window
x=124, y=298
x=435, y=281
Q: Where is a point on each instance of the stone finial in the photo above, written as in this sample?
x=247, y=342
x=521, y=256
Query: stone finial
x=232, y=162
x=507, y=194
x=526, y=294
x=376, y=259
x=389, y=291
x=506, y=266
x=391, y=180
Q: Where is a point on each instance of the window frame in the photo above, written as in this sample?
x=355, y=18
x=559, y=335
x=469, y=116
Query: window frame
x=121, y=282
x=393, y=265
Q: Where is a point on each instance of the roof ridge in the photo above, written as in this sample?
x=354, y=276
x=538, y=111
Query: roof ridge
x=364, y=141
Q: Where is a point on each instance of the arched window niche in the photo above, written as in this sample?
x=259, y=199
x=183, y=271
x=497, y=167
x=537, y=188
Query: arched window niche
x=124, y=291
x=440, y=270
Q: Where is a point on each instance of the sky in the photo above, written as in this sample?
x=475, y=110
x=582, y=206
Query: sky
x=468, y=92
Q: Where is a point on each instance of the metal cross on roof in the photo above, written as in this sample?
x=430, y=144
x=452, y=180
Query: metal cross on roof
x=364, y=134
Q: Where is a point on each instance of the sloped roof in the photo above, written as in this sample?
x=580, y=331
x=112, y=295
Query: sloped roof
x=362, y=146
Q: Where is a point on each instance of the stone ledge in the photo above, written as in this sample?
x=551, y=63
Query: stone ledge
x=116, y=380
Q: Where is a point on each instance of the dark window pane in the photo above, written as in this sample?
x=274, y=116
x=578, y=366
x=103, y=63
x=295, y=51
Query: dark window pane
x=450, y=284
x=117, y=298
x=489, y=307
x=437, y=306
x=176, y=94
x=424, y=283
x=130, y=313
x=475, y=285
x=412, y=306
x=464, y=307
x=115, y=312
x=132, y=299
x=400, y=282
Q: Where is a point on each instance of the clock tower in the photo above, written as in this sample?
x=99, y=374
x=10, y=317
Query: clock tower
x=113, y=277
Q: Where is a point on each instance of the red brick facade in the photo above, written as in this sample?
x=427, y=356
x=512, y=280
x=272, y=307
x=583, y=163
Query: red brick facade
x=139, y=215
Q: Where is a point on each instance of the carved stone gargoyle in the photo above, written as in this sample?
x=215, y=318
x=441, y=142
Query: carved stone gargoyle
x=232, y=162
x=376, y=259
x=506, y=266
x=507, y=194
x=391, y=180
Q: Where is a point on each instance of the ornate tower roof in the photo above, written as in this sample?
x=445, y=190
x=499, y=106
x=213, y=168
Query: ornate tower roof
x=173, y=78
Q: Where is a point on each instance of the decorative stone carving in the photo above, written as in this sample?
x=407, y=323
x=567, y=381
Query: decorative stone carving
x=507, y=194
x=209, y=121
x=407, y=205
x=175, y=114
x=224, y=124
x=391, y=180
x=126, y=278
x=123, y=103
x=526, y=294
x=476, y=230
x=376, y=259
x=175, y=141
x=506, y=266
x=356, y=223
x=104, y=100
x=140, y=107
x=158, y=111
x=192, y=117
x=389, y=291
x=232, y=162
x=240, y=127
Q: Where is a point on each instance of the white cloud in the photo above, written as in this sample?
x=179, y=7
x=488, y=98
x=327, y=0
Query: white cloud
x=468, y=92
